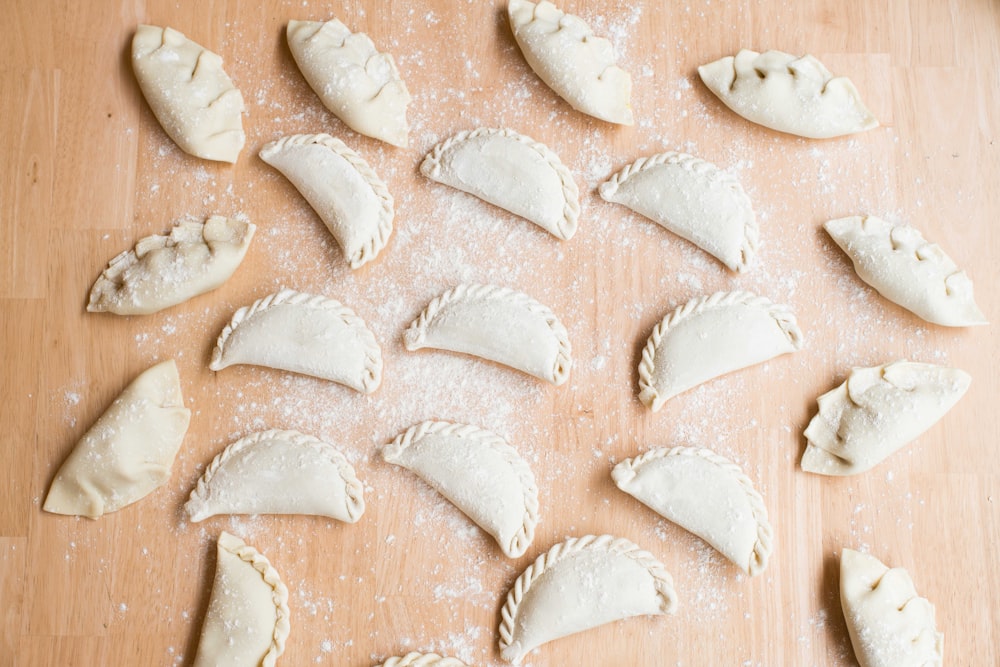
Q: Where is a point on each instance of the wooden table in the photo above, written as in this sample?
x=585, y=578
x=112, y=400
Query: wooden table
x=88, y=171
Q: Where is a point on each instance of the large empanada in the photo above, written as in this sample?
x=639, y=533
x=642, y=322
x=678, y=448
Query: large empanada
x=356, y=82
x=189, y=93
x=787, y=93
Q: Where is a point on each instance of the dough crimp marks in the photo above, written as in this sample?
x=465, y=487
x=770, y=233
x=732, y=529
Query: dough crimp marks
x=662, y=581
x=374, y=245
x=248, y=554
x=353, y=486
x=417, y=331
x=781, y=314
x=765, y=535
x=365, y=56
x=373, y=354
x=423, y=660
x=431, y=167
x=524, y=536
x=695, y=165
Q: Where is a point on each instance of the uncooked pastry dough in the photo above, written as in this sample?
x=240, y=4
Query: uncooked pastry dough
x=247, y=619
x=579, y=66
x=479, y=473
x=907, y=270
x=693, y=199
x=345, y=192
x=789, y=94
x=711, y=336
x=890, y=626
x=578, y=585
x=165, y=270
x=705, y=494
x=128, y=452
x=498, y=324
x=875, y=412
x=422, y=660
x=354, y=81
x=191, y=96
x=302, y=333
x=511, y=171
x=278, y=472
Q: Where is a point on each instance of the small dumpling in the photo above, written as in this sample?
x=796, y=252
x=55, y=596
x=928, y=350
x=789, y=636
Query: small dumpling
x=693, y=199
x=705, y=494
x=166, y=270
x=422, y=660
x=350, y=199
x=710, y=336
x=128, y=453
x=877, y=411
x=511, y=171
x=302, y=333
x=907, y=270
x=498, y=324
x=581, y=584
x=278, y=472
x=788, y=94
x=579, y=66
x=190, y=94
x=356, y=82
x=479, y=473
x=247, y=618
x=889, y=624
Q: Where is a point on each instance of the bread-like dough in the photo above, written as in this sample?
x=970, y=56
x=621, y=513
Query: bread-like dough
x=788, y=93
x=166, y=270
x=498, y=324
x=128, y=452
x=511, y=171
x=710, y=336
x=706, y=494
x=278, y=472
x=578, y=585
x=579, y=66
x=247, y=619
x=890, y=626
x=903, y=267
x=479, y=473
x=422, y=660
x=354, y=81
x=341, y=187
x=877, y=411
x=693, y=199
x=302, y=333
x=189, y=93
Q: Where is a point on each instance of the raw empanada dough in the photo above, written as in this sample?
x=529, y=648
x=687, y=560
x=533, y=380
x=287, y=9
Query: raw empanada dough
x=890, y=626
x=422, y=660
x=705, y=494
x=247, y=619
x=578, y=585
x=165, y=270
x=341, y=187
x=128, y=452
x=356, y=82
x=511, y=171
x=189, y=93
x=789, y=94
x=907, y=270
x=302, y=333
x=498, y=324
x=711, y=336
x=278, y=472
x=693, y=199
x=479, y=473
x=579, y=66
x=875, y=412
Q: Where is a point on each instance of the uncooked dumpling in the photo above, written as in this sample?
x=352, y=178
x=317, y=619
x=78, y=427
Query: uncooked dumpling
x=422, y=660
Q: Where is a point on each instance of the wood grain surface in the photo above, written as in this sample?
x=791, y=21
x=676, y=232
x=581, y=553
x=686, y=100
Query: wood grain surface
x=87, y=171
